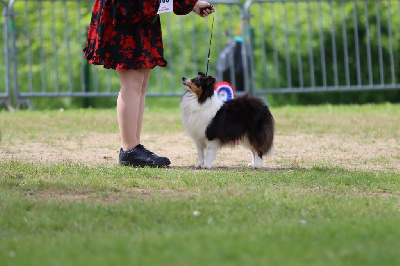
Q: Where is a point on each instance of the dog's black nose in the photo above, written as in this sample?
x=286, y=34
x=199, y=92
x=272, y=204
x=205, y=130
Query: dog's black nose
x=183, y=78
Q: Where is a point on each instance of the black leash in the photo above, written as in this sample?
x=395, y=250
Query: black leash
x=209, y=48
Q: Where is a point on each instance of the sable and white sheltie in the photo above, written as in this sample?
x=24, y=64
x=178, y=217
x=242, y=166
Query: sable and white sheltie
x=212, y=123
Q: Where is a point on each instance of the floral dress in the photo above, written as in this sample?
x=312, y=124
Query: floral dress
x=123, y=34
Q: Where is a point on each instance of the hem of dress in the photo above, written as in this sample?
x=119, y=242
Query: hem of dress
x=111, y=64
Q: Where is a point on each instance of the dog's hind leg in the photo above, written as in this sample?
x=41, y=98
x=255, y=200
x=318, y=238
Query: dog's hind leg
x=211, y=152
x=252, y=160
x=256, y=161
x=200, y=154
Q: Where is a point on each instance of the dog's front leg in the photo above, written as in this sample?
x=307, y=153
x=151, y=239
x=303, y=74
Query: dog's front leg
x=200, y=155
x=211, y=152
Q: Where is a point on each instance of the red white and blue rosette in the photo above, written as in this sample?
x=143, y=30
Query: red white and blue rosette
x=224, y=91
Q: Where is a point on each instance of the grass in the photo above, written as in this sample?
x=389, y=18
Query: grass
x=76, y=214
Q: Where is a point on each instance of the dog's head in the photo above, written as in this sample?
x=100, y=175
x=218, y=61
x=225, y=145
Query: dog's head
x=202, y=86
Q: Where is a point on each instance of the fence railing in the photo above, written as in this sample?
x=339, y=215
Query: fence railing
x=283, y=46
x=50, y=60
x=316, y=45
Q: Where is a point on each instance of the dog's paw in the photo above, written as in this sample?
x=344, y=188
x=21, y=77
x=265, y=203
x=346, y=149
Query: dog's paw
x=199, y=166
x=254, y=166
x=207, y=166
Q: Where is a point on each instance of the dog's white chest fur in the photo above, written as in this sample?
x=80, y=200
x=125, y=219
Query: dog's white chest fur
x=196, y=117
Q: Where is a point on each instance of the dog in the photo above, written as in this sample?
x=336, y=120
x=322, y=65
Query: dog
x=212, y=123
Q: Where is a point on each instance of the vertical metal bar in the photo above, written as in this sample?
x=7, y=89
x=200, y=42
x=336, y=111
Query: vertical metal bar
x=321, y=37
x=277, y=76
x=245, y=53
x=6, y=51
x=378, y=29
x=41, y=49
x=11, y=13
x=355, y=20
x=299, y=61
x=182, y=45
x=232, y=69
x=95, y=79
x=80, y=40
x=264, y=50
x=248, y=49
x=288, y=70
x=108, y=75
x=345, y=47
x=55, y=52
x=80, y=37
x=218, y=32
x=28, y=47
x=68, y=47
x=310, y=47
x=334, y=56
x=366, y=13
x=171, y=52
x=194, y=46
x=159, y=79
x=391, y=42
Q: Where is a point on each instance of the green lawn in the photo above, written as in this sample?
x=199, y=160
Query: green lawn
x=76, y=214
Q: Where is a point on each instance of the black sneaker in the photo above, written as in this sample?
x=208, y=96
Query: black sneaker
x=141, y=157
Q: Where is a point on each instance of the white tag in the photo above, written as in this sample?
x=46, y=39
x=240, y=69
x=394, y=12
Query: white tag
x=165, y=6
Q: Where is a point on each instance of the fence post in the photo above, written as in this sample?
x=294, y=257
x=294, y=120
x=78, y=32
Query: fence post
x=18, y=100
x=6, y=98
x=248, y=46
x=87, y=101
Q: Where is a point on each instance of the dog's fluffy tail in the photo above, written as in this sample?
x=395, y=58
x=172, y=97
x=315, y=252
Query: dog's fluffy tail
x=263, y=138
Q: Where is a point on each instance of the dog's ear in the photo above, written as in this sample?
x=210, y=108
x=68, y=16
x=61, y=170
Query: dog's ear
x=202, y=74
x=210, y=80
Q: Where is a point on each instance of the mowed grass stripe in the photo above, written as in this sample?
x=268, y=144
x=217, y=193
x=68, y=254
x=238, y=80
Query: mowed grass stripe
x=81, y=178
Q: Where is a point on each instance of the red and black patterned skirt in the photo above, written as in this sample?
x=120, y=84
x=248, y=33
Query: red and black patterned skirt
x=121, y=35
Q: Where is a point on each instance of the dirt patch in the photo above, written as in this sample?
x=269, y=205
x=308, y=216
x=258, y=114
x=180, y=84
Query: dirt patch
x=290, y=151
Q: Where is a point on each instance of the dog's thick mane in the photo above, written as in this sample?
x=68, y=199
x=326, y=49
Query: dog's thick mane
x=198, y=115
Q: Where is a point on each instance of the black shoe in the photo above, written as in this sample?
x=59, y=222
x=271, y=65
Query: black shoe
x=141, y=157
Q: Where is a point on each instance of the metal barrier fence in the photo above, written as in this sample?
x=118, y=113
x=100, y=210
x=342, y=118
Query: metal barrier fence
x=50, y=36
x=285, y=46
x=316, y=45
x=4, y=64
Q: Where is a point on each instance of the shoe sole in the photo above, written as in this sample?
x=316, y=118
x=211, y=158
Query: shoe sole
x=133, y=164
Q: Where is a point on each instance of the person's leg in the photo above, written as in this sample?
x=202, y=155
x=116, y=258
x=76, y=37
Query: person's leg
x=130, y=105
x=142, y=105
x=130, y=108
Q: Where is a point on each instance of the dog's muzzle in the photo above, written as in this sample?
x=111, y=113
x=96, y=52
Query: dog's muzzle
x=184, y=80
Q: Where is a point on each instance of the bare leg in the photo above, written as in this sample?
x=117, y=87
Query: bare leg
x=130, y=105
x=142, y=105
